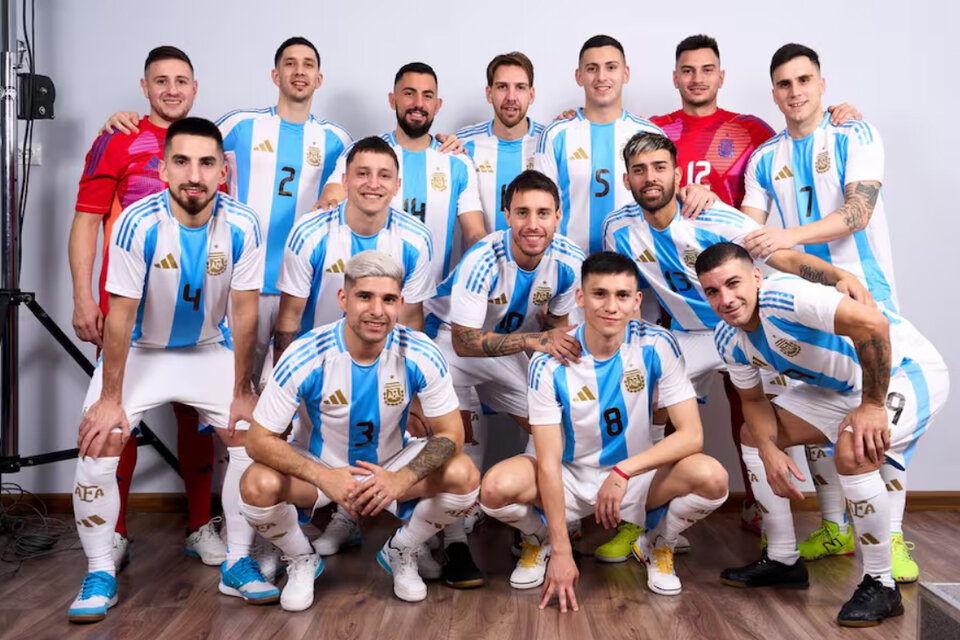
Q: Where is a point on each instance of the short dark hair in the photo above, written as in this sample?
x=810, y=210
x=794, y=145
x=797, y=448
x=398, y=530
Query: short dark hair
x=609, y=262
x=601, y=41
x=718, y=254
x=289, y=42
x=645, y=142
x=416, y=67
x=792, y=50
x=372, y=144
x=699, y=41
x=193, y=127
x=512, y=59
x=531, y=180
x=166, y=52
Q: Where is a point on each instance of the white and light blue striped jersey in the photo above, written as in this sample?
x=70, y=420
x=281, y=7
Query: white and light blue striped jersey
x=351, y=412
x=489, y=291
x=183, y=276
x=320, y=245
x=584, y=159
x=497, y=163
x=436, y=188
x=803, y=181
x=666, y=258
x=797, y=338
x=604, y=406
x=279, y=169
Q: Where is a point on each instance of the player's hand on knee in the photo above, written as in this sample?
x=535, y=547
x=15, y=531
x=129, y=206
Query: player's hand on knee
x=122, y=121
x=695, y=199
x=609, y=497
x=340, y=483
x=779, y=467
x=98, y=422
x=88, y=321
x=871, y=436
x=449, y=143
x=562, y=576
x=558, y=343
x=241, y=408
x=374, y=495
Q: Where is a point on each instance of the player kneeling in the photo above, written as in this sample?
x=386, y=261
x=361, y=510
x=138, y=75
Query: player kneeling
x=352, y=382
x=591, y=429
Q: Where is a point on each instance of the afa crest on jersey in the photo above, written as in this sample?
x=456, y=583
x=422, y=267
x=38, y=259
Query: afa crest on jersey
x=393, y=394
x=313, y=156
x=438, y=181
x=633, y=381
x=542, y=295
x=216, y=263
x=690, y=257
x=788, y=347
x=823, y=162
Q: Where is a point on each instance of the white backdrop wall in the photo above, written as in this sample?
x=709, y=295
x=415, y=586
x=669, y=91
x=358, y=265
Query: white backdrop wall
x=894, y=61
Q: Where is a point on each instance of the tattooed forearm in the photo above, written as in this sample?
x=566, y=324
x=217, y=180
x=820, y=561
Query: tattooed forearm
x=477, y=343
x=813, y=275
x=282, y=340
x=499, y=344
x=860, y=199
x=874, y=355
x=434, y=455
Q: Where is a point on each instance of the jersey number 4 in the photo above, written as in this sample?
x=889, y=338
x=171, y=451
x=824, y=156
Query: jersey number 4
x=195, y=298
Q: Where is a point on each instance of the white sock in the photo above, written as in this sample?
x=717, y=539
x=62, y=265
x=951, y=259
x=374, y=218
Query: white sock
x=823, y=470
x=523, y=517
x=657, y=432
x=279, y=525
x=895, y=480
x=683, y=512
x=432, y=514
x=777, y=518
x=239, y=532
x=869, y=509
x=454, y=532
x=96, y=506
x=343, y=513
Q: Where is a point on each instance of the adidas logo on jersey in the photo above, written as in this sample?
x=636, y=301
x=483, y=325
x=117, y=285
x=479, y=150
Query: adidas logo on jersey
x=501, y=299
x=486, y=167
x=264, y=146
x=336, y=397
x=579, y=154
x=646, y=256
x=584, y=395
x=784, y=174
x=167, y=263
x=336, y=267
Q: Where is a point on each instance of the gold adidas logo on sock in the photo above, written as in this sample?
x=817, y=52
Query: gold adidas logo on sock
x=92, y=521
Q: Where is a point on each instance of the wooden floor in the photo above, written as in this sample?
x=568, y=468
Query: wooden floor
x=164, y=594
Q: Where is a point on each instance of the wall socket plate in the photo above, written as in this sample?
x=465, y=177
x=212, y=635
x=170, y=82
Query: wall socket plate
x=35, y=154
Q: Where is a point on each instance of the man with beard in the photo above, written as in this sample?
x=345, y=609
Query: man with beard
x=438, y=188
x=177, y=259
x=503, y=146
x=119, y=170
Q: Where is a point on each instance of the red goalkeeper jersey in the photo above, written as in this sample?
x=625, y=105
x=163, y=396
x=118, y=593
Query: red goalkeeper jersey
x=713, y=150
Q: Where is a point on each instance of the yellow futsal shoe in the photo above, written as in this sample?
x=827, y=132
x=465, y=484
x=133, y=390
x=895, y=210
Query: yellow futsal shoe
x=619, y=548
x=827, y=541
x=904, y=568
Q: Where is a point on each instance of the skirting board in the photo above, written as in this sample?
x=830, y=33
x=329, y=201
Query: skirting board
x=176, y=502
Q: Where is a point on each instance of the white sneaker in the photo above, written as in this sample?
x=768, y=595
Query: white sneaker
x=682, y=546
x=342, y=531
x=268, y=558
x=531, y=567
x=205, y=543
x=402, y=563
x=120, y=551
x=302, y=572
x=427, y=565
x=98, y=592
x=661, y=576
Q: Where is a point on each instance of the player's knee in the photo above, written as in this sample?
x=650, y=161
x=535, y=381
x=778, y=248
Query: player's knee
x=846, y=460
x=261, y=486
x=495, y=491
x=113, y=445
x=712, y=480
x=461, y=475
x=746, y=438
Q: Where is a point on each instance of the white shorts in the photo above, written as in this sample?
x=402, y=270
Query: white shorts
x=501, y=382
x=581, y=484
x=402, y=458
x=916, y=393
x=199, y=377
x=701, y=358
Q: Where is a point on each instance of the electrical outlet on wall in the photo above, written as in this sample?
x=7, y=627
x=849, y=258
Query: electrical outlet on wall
x=34, y=155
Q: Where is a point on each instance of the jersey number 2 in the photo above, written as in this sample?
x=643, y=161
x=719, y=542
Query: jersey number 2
x=291, y=174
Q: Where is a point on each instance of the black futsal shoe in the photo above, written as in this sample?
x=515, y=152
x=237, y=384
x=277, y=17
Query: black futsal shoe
x=460, y=572
x=767, y=573
x=870, y=604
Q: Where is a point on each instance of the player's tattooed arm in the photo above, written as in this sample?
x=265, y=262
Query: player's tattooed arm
x=814, y=269
x=874, y=355
x=287, y=327
x=860, y=198
x=282, y=340
x=478, y=343
x=434, y=455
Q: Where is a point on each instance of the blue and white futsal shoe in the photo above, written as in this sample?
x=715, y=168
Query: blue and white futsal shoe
x=98, y=592
x=244, y=580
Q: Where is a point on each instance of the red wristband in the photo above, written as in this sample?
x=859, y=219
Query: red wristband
x=620, y=472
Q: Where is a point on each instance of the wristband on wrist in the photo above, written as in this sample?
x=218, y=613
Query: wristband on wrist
x=617, y=470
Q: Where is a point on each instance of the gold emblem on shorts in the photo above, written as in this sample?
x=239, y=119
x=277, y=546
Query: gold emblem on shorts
x=393, y=394
x=789, y=348
x=313, y=156
x=216, y=263
x=542, y=295
x=690, y=257
x=438, y=181
x=633, y=381
x=823, y=162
